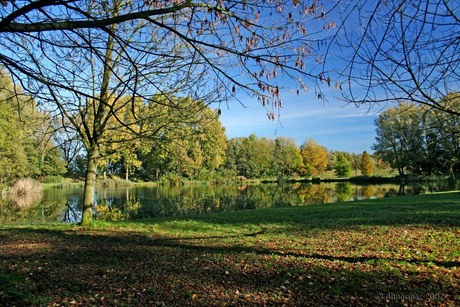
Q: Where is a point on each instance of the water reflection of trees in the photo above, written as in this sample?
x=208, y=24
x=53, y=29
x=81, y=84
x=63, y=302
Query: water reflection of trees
x=343, y=191
x=144, y=203
x=206, y=199
x=314, y=194
x=40, y=212
x=40, y=208
x=151, y=202
x=25, y=200
x=367, y=191
x=73, y=211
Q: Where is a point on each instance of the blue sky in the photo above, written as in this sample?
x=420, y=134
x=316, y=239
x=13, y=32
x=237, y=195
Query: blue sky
x=333, y=124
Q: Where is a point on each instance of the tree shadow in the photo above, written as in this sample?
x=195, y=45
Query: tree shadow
x=134, y=269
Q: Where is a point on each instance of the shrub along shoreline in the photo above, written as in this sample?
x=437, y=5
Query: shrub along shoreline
x=116, y=182
x=394, y=251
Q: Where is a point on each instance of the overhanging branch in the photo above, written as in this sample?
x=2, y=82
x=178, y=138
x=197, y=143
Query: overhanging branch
x=8, y=26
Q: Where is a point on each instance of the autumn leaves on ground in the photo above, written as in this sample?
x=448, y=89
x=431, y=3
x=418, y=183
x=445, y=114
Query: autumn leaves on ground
x=396, y=251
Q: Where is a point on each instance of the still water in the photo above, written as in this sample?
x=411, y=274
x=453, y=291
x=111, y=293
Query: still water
x=141, y=202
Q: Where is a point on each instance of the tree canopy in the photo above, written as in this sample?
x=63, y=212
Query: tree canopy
x=418, y=139
x=367, y=164
x=27, y=148
x=190, y=140
x=342, y=166
x=315, y=157
x=196, y=47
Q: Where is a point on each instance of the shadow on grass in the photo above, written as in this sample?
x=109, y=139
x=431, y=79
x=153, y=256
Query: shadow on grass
x=181, y=243
x=131, y=269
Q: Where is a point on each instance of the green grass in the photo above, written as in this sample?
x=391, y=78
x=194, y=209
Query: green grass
x=395, y=251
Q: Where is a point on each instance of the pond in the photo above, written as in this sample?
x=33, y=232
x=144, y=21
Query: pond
x=143, y=202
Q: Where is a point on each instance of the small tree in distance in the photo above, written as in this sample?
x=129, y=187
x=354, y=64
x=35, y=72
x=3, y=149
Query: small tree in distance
x=342, y=166
x=315, y=158
x=367, y=164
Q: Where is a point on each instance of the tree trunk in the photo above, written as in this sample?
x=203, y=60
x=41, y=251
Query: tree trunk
x=98, y=129
x=451, y=171
x=127, y=173
x=90, y=185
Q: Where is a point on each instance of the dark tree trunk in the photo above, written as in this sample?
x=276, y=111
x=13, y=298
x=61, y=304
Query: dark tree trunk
x=90, y=186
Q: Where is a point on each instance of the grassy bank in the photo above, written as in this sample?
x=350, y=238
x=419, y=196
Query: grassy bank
x=396, y=251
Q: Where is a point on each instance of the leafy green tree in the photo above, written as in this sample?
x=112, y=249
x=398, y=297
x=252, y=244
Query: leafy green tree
x=315, y=157
x=419, y=139
x=287, y=159
x=77, y=166
x=400, y=137
x=342, y=166
x=233, y=156
x=332, y=160
x=264, y=157
x=355, y=161
x=13, y=158
x=45, y=158
x=251, y=156
x=443, y=137
x=256, y=156
x=248, y=162
x=191, y=139
x=212, y=139
x=53, y=163
x=25, y=137
x=121, y=142
x=367, y=164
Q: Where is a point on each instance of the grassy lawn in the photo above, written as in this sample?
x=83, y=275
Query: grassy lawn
x=396, y=251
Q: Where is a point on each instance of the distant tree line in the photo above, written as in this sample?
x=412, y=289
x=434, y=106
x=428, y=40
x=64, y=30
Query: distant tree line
x=255, y=157
x=411, y=138
x=191, y=143
x=210, y=155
